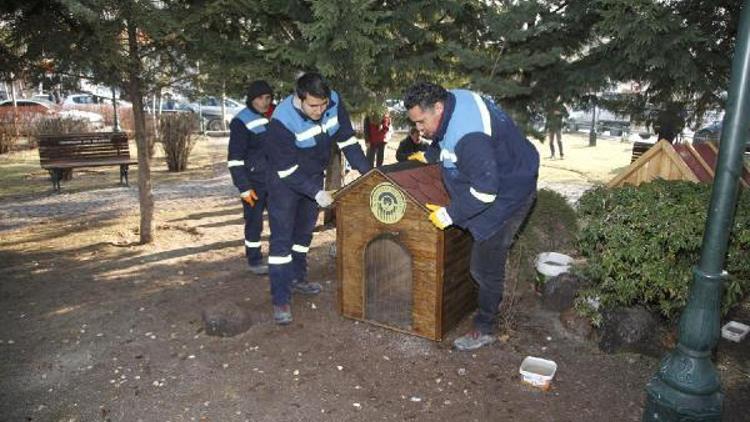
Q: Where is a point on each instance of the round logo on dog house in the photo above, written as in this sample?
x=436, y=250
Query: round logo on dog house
x=387, y=203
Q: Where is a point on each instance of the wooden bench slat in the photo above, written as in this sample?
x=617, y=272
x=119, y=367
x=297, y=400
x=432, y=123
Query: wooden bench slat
x=70, y=164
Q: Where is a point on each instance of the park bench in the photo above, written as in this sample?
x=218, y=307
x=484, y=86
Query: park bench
x=60, y=153
x=639, y=148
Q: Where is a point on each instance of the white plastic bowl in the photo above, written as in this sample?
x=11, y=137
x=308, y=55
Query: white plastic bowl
x=734, y=331
x=551, y=264
x=537, y=371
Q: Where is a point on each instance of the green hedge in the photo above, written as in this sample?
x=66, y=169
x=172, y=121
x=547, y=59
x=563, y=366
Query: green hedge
x=642, y=242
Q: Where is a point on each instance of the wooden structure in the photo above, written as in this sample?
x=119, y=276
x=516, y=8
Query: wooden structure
x=395, y=269
x=695, y=163
x=59, y=153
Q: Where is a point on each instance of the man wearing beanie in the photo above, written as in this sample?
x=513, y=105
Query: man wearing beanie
x=303, y=128
x=247, y=165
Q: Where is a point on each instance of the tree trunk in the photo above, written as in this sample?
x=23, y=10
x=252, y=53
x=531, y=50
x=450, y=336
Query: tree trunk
x=145, y=196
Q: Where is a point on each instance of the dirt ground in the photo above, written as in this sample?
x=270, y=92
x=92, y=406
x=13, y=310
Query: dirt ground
x=96, y=328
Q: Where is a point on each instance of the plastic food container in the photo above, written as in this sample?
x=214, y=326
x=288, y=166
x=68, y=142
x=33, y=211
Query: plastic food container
x=734, y=331
x=538, y=372
x=551, y=264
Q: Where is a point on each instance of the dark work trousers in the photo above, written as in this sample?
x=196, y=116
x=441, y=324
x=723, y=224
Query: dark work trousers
x=488, y=266
x=253, y=228
x=292, y=217
x=375, y=152
x=551, y=135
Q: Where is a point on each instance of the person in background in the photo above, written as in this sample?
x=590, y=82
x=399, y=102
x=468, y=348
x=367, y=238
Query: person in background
x=490, y=172
x=555, y=121
x=303, y=129
x=247, y=166
x=377, y=132
x=409, y=145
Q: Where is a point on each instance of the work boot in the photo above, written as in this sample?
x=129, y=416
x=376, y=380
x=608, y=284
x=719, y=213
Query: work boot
x=260, y=269
x=282, y=314
x=306, y=287
x=473, y=340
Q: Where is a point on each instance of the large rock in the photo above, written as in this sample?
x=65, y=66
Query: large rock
x=629, y=329
x=576, y=325
x=225, y=320
x=560, y=291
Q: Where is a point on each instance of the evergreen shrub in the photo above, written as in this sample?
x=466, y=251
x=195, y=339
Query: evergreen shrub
x=642, y=242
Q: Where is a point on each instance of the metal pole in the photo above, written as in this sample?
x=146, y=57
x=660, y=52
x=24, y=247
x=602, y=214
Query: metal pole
x=592, y=132
x=687, y=387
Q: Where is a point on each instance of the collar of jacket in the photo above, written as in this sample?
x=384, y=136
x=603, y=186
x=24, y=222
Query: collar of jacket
x=297, y=103
x=254, y=111
x=448, y=107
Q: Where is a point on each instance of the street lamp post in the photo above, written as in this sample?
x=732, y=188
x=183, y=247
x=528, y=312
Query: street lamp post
x=592, y=131
x=686, y=387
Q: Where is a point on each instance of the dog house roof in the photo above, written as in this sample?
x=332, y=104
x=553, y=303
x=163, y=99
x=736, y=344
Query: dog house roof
x=423, y=183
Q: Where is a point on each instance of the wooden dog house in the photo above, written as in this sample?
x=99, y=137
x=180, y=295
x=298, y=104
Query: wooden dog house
x=695, y=163
x=395, y=269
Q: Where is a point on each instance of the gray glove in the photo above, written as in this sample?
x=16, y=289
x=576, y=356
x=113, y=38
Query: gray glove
x=324, y=199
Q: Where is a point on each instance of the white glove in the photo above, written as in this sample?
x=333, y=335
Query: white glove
x=324, y=199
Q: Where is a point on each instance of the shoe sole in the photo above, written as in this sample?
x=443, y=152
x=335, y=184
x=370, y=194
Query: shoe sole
x=255, y=271
x=306, y=292
x=469, y=348
x=283, y=321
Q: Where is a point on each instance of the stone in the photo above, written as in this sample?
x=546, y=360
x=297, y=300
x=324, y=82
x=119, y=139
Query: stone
x=628, y=330
x=576, y=325
x=225, y=319
x=559, y=292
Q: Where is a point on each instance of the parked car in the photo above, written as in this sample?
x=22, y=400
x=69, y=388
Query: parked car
x=173, y=106
x=712, y=133
x=210, y=110
x=28, y=106
x=605, y=120
x=33, y=109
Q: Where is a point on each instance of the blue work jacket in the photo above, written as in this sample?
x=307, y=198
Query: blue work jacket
x=488, y=166
x=299, y=148
x=247, y=157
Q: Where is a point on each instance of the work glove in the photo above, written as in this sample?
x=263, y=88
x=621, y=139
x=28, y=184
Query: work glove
x=324, y=199
x=439, y=216
x=418, y=156
x=249, y=196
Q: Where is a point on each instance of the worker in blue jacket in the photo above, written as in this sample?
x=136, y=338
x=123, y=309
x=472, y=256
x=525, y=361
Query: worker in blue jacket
x=490, y=171
x=301, y=133
x=247, y=165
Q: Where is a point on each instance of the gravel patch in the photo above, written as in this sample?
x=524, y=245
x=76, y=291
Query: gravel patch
x=120, y=200
x=113, y=201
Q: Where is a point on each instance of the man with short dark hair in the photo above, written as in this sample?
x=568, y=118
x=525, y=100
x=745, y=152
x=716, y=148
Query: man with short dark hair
x=490, y=172
x=303, y=128
x=409, y=145
x=247, y=165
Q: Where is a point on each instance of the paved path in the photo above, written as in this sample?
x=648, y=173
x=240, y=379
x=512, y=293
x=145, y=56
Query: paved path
x=193, y=194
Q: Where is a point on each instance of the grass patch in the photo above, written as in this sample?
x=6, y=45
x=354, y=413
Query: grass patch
x=21, y=175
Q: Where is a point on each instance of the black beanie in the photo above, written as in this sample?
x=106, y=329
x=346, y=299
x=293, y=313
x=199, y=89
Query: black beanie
x=256, y=89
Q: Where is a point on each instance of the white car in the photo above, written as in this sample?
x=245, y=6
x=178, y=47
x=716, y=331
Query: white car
x=42, y=108
x=83, y=99
x=94, y=119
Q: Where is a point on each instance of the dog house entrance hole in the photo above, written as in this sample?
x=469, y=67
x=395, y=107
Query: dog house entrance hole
x=388, y=283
